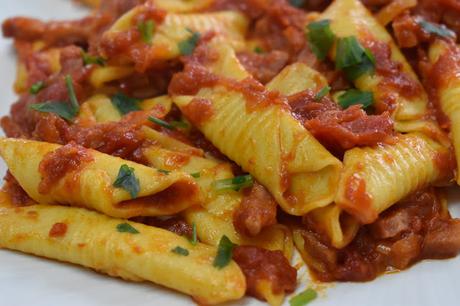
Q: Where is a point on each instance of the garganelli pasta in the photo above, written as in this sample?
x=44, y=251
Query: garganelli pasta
x=199, y=144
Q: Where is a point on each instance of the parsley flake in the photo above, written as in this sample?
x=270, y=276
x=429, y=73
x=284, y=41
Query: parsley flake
x=146, y=29
x=322, y=93
x=124, y=104
x=93, y=59
x=354, y=97
x=64, y=110
x=180, y=251
x=303, y=298
x=224, y=252
x=194, y=239
x=353, y=58
x=127, y=180
x=320, y=38
x=437, y=29
x=235, y=183
x=36, y=87
x=187, y=46
x=126, y=228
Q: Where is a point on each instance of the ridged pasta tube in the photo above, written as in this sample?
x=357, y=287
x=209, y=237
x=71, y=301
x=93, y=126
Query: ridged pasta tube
x=351, y=18
x=91, y=185
x=141, y=253
x=373, y=179
x=267, y=142
x=445, y=58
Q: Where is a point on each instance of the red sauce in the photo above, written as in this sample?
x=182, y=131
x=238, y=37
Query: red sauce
x=256, y=211
x=198, y=111
x=196, y=76
x=174, y=224
x=58, y=230
x=359, y=202
x=446, y=164
x=417, y=228
x=15, y=191
x=337, y=129
x=263, y=67
x=260, y=264
x=56, y=164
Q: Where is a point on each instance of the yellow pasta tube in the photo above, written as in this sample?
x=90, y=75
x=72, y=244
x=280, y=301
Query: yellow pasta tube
x=373, y=179
x=91, y=185
x=129, y=250
x=102, y=75
x=176, y=28
x=444, y=57
x=295, y=78
x=267, y=142
x=351, y=18
x=214, y=218
x=183, y=6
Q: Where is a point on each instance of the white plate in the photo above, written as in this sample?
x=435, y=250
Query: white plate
x=28, y=280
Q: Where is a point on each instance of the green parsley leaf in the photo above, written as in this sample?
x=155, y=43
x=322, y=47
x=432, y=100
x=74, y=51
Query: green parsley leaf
x=127, y=180
x=353, y=58
x=72, y=96
x=195, y=175
x=303, y=298
x=194, y=239
x=258, y=50
x=37, y=87
x=322, y=93
x=355, y=96
x=126, y=228
x=93, y=59
x=180, y=251
x=146, y=29
x=235, y=183
x=161, y=123
x=124, y=104
x=179, y=124
x=437, y=29
x=224, y=253
x=62, y=109
x=187, y=46
x=164, y=171
x=297, y=3
x=320, y=38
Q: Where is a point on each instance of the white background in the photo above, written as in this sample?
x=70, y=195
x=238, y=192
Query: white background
x=32, y=281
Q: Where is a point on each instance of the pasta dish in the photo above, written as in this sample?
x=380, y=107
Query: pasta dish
x=199, y=144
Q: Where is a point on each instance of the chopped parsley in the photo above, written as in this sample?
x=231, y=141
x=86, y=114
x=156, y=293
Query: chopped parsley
x=161, y=123
x=236, y=183
x=180, y=251
x=297, y=3
x=355, y=96
x=224, y=253
x=124, y=104
x=187, y=46
x=126, y=228
x=36, y=87
x=146, y=29
x=258, y=50
x=320, y=38
x=195, y=175
x=194, y=239
x=353, y=58
x=322, y=93
x=64, y=110
x=164, y=171
x=179, y=124
x=303, y=298
x=437, y=29
x=93, y=59
x=127, y=180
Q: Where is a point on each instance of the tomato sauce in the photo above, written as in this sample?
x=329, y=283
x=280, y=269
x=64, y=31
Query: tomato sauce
x=58, y=230
x=56, y=164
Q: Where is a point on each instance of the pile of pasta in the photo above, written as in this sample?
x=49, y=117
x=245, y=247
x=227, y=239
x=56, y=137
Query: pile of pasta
x=196, y=143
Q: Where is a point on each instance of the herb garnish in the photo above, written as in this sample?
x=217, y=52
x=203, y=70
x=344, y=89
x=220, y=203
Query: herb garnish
x=126, y=228
x=127, y=180
x=224, y=253
x=235, y=183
